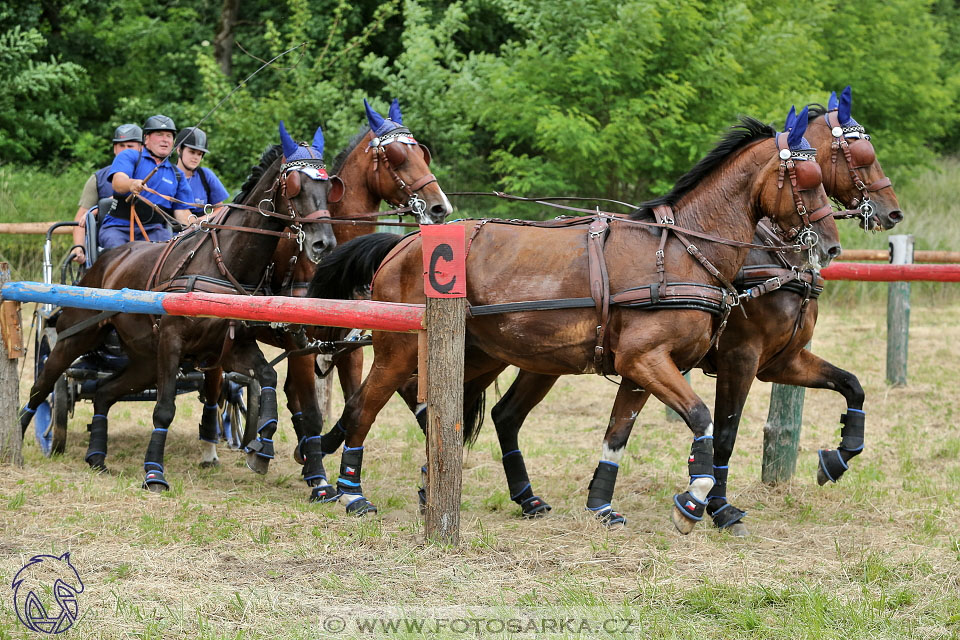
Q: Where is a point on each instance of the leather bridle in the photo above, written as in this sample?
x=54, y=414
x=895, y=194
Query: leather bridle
x=389, y=154
x=856, y=159
x=801, y=178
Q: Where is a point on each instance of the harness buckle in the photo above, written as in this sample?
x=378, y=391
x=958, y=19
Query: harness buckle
x=417, y=205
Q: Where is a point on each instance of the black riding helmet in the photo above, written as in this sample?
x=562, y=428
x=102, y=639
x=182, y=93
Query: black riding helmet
x=159, y=123
x=128, y=133
x=191, y=137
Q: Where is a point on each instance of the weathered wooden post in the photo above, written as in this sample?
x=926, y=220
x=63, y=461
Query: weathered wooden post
x=444, y=277
x=673, y=416
x=11, y=348
x=898, y=313
x=781, y=433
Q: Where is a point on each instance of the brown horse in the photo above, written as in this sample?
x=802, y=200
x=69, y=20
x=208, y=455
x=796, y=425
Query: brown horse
x=767, y=342
x=236, y=245
x=382, y=163
x=656, y=326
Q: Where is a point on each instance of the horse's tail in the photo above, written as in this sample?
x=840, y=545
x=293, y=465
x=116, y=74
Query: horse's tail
x=473, y=419
x=350, y=267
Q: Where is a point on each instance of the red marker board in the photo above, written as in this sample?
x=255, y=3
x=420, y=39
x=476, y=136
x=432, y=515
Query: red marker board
x=444, y=260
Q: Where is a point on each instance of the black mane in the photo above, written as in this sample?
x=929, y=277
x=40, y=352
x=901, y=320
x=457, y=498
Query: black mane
x=815, y=110
x=270, y=155
x=748, y=130
x=342, y=156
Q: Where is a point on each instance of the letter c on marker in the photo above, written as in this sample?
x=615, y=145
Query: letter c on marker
x=444, y=252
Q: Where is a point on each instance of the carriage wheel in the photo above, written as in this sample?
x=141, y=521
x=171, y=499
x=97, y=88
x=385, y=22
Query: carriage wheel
x=60, y=408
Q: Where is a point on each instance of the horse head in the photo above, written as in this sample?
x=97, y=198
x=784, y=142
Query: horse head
x=401, y=167
x=790, y=192
x=305, y=190
x=852, y=174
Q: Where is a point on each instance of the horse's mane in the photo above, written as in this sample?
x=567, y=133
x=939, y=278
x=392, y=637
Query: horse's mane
x=342, y=156
x=269, y=156
x=815, y=110
x=747, y=131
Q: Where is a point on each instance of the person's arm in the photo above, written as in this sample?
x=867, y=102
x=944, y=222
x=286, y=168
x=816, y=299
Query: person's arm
x=122, y=183
x=88, y=199
x=184, y=216
x=79, y=235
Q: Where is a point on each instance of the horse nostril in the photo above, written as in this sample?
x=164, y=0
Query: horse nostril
x=896, y=215
x=438, y=209
x=834, y=252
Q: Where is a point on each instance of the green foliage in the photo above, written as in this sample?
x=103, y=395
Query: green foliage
x=613, y=99
x=35, y=118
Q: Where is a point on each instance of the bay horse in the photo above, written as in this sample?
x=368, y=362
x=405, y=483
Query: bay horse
x=242, y=238
x=767, y=342
x=382, y=163
x=655, y=327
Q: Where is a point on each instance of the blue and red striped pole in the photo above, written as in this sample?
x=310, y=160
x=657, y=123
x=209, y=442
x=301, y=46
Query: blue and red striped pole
x=355, y=314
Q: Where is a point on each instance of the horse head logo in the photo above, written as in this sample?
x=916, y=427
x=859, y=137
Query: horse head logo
x=45, y=594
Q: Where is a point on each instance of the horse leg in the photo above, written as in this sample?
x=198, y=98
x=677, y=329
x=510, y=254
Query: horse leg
x=131, y=380
x=299, y=388
x=168, y=363
x=526, y=392
x=630, y=400
x=209, y=422
x=808, y=370
x=62, y=355
x=247, y=358
x=395, y=359
x=655, y=371
x=736, y=370
x=350, y=371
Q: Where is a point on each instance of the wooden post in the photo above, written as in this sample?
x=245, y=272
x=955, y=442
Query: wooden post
x=781, y=433
x=898, y=313
x=673, y=416
x=445, y=319
x=444, y=254
x=10, y=349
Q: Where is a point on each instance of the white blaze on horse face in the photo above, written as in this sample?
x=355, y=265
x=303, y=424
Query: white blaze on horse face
x=611, y=455
x=208, y=452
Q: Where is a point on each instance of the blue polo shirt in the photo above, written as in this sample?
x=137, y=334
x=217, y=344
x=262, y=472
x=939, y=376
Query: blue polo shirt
x=164, y=181
x=218, y=192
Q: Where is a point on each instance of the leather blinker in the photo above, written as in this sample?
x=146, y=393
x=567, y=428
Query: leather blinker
x=808, y=175
x=862, y=153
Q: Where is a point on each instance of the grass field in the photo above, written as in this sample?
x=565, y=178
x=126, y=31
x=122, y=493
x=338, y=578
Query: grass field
x=227, y=554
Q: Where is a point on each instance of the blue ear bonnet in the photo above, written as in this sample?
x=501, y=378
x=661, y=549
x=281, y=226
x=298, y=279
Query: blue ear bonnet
x=842, y=105
x=380, y=125
x=796, y=126
x=293, y=151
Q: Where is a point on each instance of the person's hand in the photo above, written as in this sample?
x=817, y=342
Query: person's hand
x=136, y=186
x=79, y=255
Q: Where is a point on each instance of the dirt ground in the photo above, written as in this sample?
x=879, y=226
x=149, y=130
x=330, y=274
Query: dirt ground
x=230, y=554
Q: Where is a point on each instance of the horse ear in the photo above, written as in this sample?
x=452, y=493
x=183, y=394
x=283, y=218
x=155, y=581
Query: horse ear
x=832, y=102
x=791, y=117
x=795, y=137
x=288, y=143
x=337, y=189
x=394, y=113
x=846, y=100
x=318, y=141
x=374, y=119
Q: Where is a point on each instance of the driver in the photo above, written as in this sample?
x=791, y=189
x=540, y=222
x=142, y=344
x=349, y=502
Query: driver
x=131, y=171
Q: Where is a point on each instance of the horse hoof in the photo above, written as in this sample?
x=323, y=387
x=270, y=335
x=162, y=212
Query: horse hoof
x=739, y=530
x=209, y=464
x=822, y=478
x=360, y=507
x=683, y=524
x=97, y=462
x=298, y=457
x=535, y=507
x=258, y=464
x=155, y=482
x=324, y=493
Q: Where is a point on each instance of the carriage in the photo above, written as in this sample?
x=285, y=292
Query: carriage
x=239, y=396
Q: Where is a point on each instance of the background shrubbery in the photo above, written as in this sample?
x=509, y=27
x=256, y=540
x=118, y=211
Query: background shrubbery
x=602, y=98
